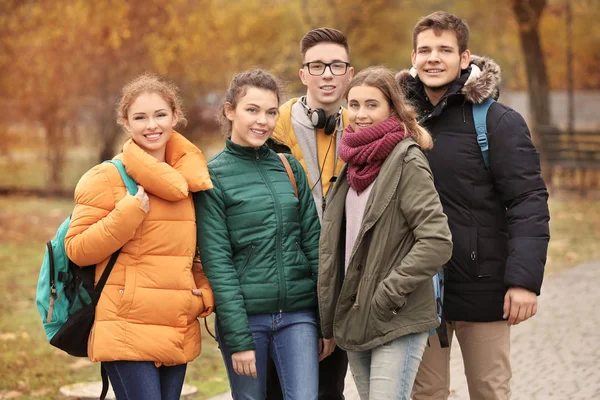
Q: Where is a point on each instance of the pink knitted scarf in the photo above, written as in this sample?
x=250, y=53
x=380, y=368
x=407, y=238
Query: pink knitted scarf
x=366, y=150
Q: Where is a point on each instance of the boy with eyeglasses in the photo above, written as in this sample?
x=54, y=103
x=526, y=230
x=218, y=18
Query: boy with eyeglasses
x=310, y=128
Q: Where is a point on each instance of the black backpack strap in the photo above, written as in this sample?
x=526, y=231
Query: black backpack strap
x=104, y=376
x=442, y=332
x=104, y=277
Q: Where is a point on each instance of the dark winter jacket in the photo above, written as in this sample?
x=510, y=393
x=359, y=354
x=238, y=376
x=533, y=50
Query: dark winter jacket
x=258, y=242
x=498, y=217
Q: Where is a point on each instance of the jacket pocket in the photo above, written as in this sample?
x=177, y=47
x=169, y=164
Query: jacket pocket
x=127, y=292
x=247, y=261
x=302, y=253
x=199, y=302
x=473, y=256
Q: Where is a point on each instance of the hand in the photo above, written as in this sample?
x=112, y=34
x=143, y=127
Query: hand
x=197, y=292
x=244, y=363
x=326, y=347
x=143, y=198
x=519, y=305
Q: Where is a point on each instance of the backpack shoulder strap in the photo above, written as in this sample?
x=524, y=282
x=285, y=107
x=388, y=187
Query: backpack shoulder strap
x=289, y=171
x=130, y=184
x=480, y=111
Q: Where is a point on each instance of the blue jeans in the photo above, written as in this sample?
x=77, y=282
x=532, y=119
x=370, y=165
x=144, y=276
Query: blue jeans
x=133, y=380
x=290, y=338
x=388, y=371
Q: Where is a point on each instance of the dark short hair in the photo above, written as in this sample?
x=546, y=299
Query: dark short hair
x=441, y=21
x=323, y=35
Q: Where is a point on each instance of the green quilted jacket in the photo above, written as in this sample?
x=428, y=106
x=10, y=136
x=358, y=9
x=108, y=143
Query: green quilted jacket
x=258, y=243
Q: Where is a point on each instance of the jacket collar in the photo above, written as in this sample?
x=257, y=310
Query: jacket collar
x=476, y=83
x=246, y=151
x=184, y=170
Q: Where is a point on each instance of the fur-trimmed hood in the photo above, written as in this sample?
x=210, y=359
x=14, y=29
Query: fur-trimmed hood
x=482, y=83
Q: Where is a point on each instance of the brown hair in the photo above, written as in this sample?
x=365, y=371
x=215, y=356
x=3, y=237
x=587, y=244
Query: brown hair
x=323, y=35
x=442, y=21
x=149, y=83
x=383, y=79
x=257, y=78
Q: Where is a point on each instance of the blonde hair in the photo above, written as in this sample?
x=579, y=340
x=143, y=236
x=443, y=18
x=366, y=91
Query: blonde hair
x=149, y=83
x=383, y=79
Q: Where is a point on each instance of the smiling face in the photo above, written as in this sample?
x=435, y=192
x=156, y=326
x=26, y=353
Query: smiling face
x=438, y=61
x=254, y=117
x=325, y=91
x=150, y=123
x=367, y=106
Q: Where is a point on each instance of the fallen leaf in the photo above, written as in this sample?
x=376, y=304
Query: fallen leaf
x=13, y=394
x=8, y=336
x=41, y=392
x=570, y=256
x=81, y=363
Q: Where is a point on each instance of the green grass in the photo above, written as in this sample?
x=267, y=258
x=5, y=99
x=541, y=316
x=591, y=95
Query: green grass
x=35, y=174
x=27, y=168
x=29, y=365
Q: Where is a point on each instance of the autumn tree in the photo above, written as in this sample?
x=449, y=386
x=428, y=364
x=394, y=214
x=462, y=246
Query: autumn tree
x=528, y=14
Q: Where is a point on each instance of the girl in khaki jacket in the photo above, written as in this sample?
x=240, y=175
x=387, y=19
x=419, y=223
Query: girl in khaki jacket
x=383, y=237
x=146, y=328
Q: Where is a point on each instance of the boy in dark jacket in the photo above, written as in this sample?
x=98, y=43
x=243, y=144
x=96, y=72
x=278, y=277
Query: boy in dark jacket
x=498, y=215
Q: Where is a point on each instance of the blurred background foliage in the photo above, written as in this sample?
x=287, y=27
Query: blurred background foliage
x=63, y=62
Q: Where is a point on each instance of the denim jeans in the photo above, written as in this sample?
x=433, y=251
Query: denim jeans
x=332, y=375
x=388, y=372
x=290, y=338
x=133, y=380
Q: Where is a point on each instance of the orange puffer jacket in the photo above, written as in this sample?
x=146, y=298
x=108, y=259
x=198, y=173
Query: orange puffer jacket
x=147, y=311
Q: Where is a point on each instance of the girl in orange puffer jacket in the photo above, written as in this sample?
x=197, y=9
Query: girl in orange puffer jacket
x=146, y=328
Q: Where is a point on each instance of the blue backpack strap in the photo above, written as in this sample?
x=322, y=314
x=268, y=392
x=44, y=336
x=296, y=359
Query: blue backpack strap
x=480, y=111
x=130, y=184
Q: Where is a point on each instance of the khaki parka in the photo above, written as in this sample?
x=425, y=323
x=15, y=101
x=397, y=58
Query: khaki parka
x=404, y=240
x=147, y=311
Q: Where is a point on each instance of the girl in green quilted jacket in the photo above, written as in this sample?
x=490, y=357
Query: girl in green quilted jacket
x=258, y=234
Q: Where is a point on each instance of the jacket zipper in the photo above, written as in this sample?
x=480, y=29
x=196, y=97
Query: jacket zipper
x=52, y=282
x=282, y=292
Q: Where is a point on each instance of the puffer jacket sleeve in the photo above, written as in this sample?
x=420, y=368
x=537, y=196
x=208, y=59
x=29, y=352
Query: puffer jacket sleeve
x=308, y=217
x=217, y=259
x=420, y=204
x=99, y=227
x=515, y=168
x=283, y=126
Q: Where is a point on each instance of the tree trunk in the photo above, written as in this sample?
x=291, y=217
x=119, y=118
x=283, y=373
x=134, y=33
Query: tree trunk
x=528, y=14
x=55, y=149
x=108, y=143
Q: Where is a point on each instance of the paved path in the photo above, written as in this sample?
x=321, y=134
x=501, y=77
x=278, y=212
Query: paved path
x=556, y=355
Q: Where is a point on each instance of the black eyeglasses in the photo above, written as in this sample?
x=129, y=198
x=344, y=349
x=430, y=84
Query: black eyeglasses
x=317, y=68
